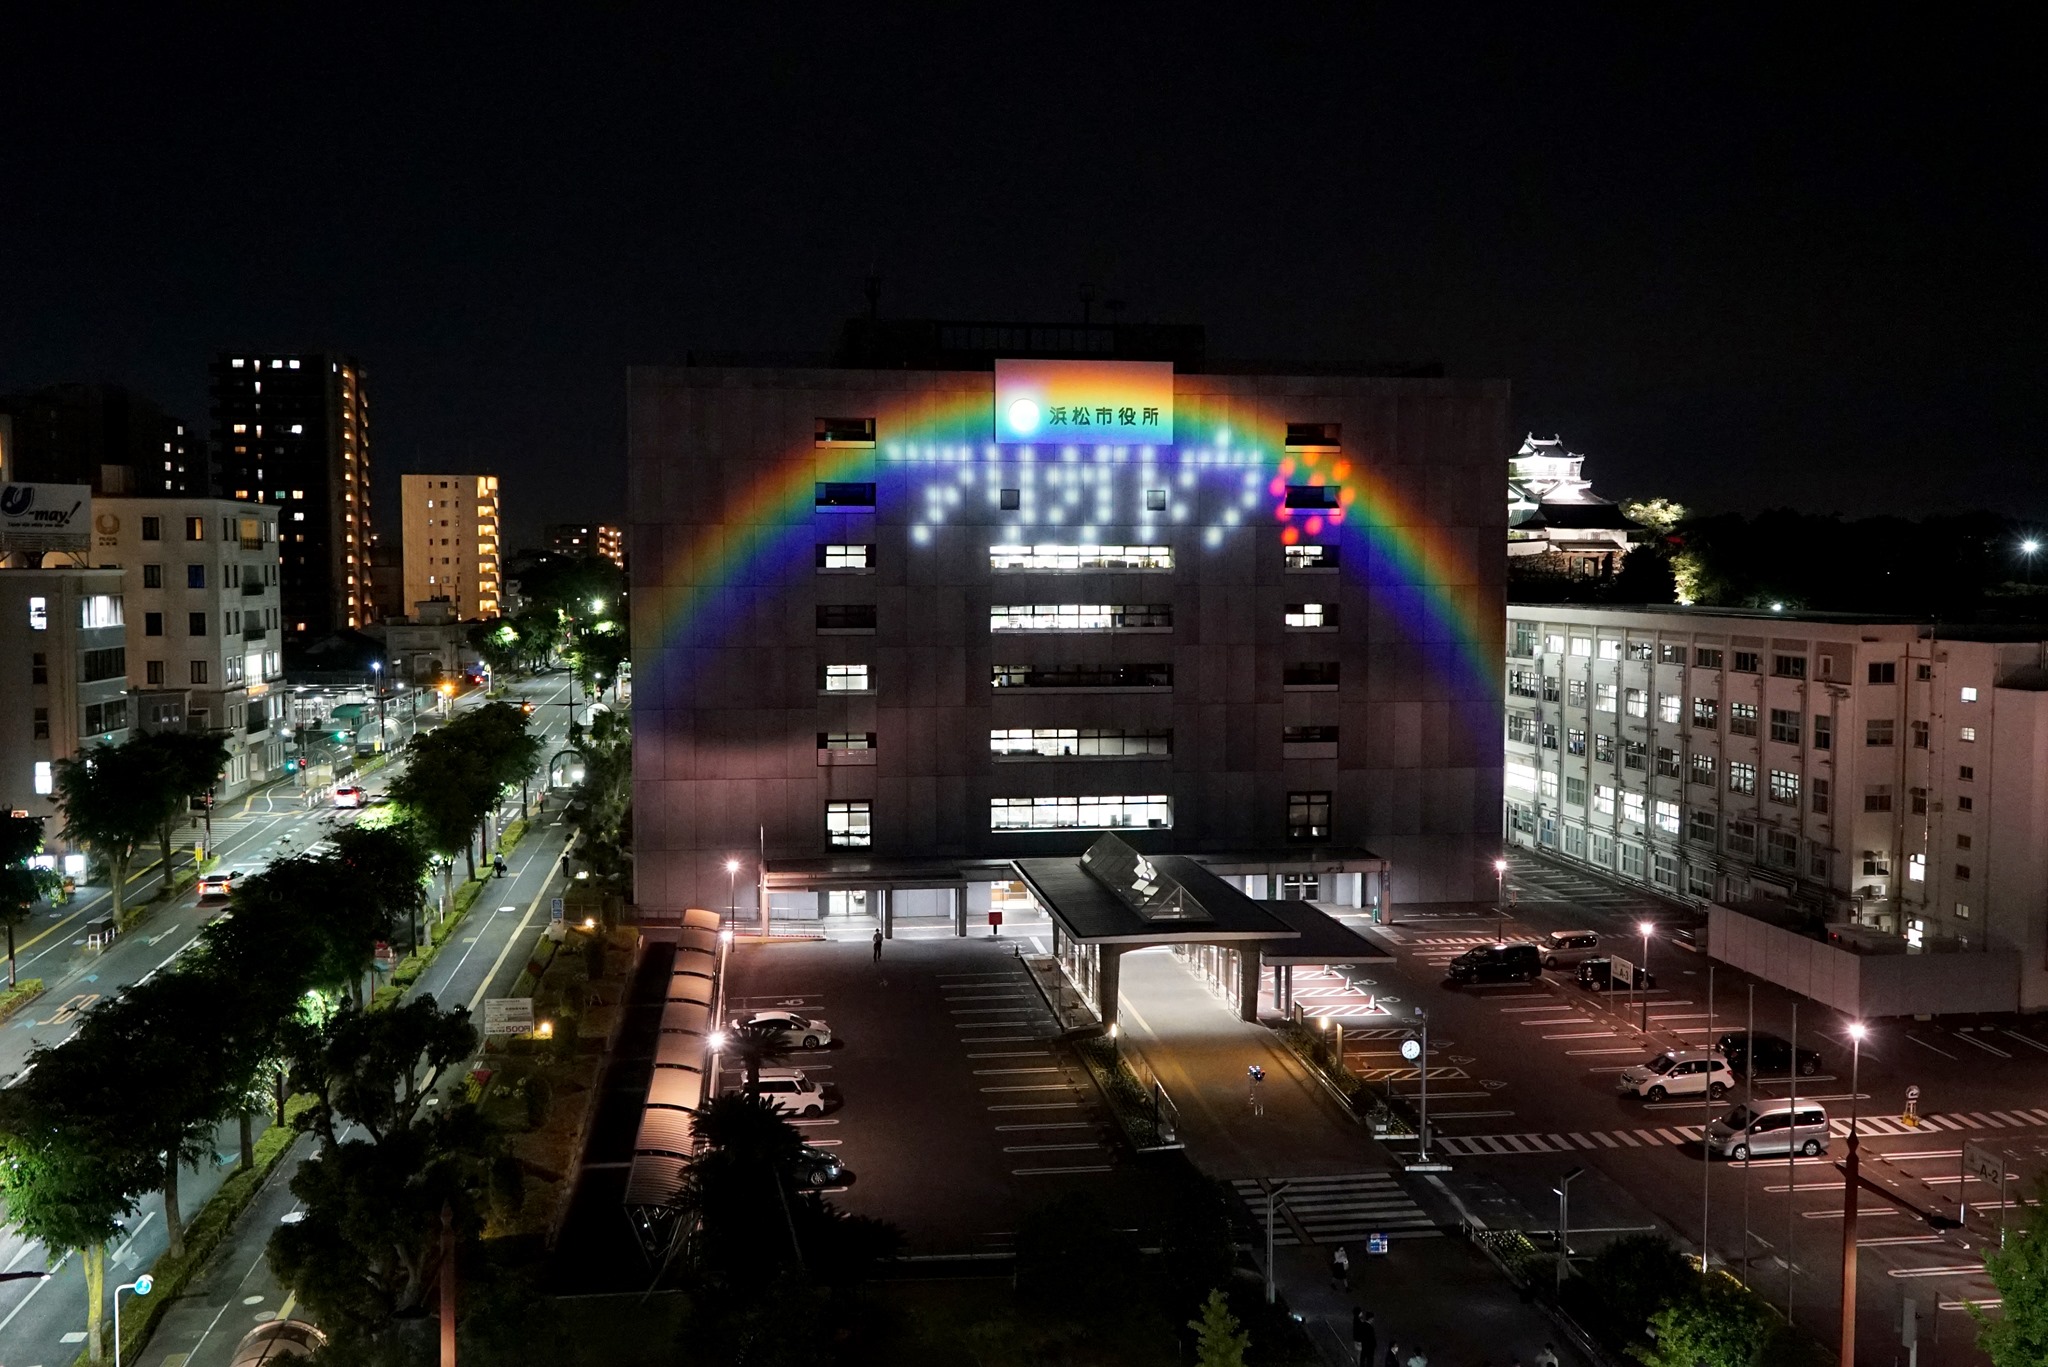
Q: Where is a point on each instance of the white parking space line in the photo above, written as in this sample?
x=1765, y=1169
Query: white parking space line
x=1968, y=1038
x=1048, y=1148
x=1045, y=1172
x=1952, y=1270
x=1557, y=1022
x=1050, y=1125
x=989, y=1010
x=1030, y=1087
x=1012, y=1072
x=1585, y=1034
x=1555, y=1006
x=1631, y=1050
x=1012, y=1053
x=2028, y=1040
x=1037, y=1106
x=1925, y=1045
x=1002, y=1039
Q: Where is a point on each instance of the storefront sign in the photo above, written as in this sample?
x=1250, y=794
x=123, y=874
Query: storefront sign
x=45, y=517
x=1085, y=401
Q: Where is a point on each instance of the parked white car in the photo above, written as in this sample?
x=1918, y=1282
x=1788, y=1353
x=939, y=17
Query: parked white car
x=1569, y=948
x=798, y=1032
x=790, y=1092
x=1678, y=1073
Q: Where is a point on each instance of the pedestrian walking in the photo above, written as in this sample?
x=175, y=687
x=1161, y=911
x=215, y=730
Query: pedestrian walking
x=1393, y=1353
x=498, y=864
x=1340, y=1269
x=878, y=946
x=1362, y=1335
x=1418, y=1358
x=1257, y=1098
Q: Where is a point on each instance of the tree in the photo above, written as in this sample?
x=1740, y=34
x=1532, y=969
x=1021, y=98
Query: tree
x=1627, y=1282
x=439, y=794
x=1721, y=1323
x=377, y=1069
x=1219, y=1342
x=2019, y=1336
x=67, y=1172
x=183, y=765
x=112, y=799
x=21, y=884
x=757, y=1045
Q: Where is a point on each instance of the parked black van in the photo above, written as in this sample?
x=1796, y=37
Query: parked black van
x=1498, y=964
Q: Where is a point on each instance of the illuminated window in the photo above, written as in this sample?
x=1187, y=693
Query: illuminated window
x=1310, y=616
x=1082, y=676
x=1325, y=558
x=1741, y=718
x=1968, y=734
x=1066, y=742
x=1080, y=617
x=1785, y=787
x=1969, y=695
x=1741, y=777
x=45, y=780
x=1668, y=705
x=849, y=825
x=1152, y=811
x=846, y=740
x=38, y=614
x=1308, y=816
x=1087, y=557
x=1604, y=696
x=844, y=679
x=844, y=556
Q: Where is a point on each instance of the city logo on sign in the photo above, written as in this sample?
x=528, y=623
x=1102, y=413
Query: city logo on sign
x=1114, y=401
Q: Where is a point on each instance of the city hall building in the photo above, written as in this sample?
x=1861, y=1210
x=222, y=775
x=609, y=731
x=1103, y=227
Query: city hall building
x=979, y=594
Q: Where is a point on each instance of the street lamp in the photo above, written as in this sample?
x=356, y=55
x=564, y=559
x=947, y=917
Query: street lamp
x=732, y=883
x=1645, y=927
x=1500, y=898
x=1564, y=1220
x=141, y=1286
x=2030, y=548
x=377, y=671
x=1857, y=1030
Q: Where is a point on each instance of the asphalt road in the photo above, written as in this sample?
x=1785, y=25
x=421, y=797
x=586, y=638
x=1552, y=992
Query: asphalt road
x=42, y=1321
x=1523, y=1088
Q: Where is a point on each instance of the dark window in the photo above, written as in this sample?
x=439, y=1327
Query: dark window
x=1314, y=433
x=1308, y=735
x=1308, y=816
x=153, y=672
x=1310, y=674
x=1012, y=499
x=152, y=529
x=195, y=576
x=152, y=576
x=42, y=723
x=1747, y=662
x=199, y=676
x=846, y=429
x=152, y=624
x=846, y=616
x=1084, y=676
x=1155, y=500
x=39, y=668
x=1312, y=495
x=1706, y=657
x=1823, y=732
x=1789, y=666
x=1884, y=671
x=195, y=623
x=101, y=717
x=110, y=663
x=846, y=496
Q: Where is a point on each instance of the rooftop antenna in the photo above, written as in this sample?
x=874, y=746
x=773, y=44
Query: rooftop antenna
x=872, y=288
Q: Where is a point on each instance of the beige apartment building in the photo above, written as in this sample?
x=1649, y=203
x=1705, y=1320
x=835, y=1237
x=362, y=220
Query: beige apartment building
x=1890, y=777
x=449, y=530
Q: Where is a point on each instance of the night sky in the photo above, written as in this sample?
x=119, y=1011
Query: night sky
x=1736, y=258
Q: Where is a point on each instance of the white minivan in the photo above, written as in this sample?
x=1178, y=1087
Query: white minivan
x=1770, y=1127
x=1677, y=1073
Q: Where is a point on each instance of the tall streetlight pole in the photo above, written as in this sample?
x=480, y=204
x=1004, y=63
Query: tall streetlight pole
x=1500, y=898
x=1644, y=995
x=1856, y=1032
x=1564, y=1221
x=141, y=1286
x=732, y=886
x=2030, y=548
x=377, y=674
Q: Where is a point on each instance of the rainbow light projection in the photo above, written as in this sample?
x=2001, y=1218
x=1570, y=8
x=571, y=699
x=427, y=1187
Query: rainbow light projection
x=937, y=453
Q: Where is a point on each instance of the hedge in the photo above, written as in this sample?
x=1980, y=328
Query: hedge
x=21, y=994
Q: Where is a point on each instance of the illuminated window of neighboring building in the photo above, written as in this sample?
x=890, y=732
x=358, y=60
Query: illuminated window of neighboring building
x=845, y=679
x=45, y=779
x=1081, y=557
x=1311, y=616
x=845, y=556
x=1308, y=816
x=1150, y=811
x=1325, y=558
x=1969, y=695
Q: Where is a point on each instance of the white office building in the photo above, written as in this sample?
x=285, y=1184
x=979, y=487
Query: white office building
x=200, y=579
x=63, y=661
x=1887, y=779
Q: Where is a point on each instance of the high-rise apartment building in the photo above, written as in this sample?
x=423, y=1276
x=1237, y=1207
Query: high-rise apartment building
x=588, y=538
x=294, y=430
x=63, y=676
x=449, y=538
x=201, y=598
x=100, y=435
x=1882, y=775
x=896, y=627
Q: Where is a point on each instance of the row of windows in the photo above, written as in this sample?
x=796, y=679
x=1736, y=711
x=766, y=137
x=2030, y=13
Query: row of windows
x=250, y=532
x=861, y=431
x=861, y=494
x=1526, y=637
x=94, y=610
x=1079, y=616
x=845, y=555
x=1060, y=742
x=1777, y=849
x=850, y=824
x=859, y=678
x=196, y=623
x=195, y=576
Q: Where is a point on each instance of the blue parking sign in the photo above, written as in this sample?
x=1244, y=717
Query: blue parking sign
x=1375, y=1243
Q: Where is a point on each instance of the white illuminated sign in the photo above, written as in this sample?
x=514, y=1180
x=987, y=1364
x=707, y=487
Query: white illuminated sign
x=1093, y=402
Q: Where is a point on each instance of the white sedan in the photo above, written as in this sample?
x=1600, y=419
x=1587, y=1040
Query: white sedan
x=805, y=1032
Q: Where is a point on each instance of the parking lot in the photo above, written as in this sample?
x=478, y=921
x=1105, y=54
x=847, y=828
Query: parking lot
x=955, y=1112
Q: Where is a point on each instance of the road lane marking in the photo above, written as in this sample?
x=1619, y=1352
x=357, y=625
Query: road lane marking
x=1043, y=1172
x=1037, y=1106
x=1925, y=1045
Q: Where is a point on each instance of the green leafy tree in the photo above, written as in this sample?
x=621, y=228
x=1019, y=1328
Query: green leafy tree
x=499, y=644
x=21, y=885
x=376, y=1069
x=183, y=765
x=1219, y=1341
x=2018, y=1336
x=112, y=800
x=440, y=793
x=67, y=1171
x=1721, y=1323
x=1627, y=1282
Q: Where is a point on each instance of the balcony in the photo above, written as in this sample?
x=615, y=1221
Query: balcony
x=256, y=633
x=253, y=588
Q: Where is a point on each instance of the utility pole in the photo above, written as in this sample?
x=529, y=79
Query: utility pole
x=1272, y=1214
x=447, y=1285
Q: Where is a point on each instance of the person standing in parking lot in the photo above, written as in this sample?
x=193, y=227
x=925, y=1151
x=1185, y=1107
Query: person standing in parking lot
x=878, y=945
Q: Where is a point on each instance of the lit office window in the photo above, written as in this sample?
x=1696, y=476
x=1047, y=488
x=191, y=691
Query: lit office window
x=1079, y=616
x=46, y=782
x=38, y=614
x=849, y=825
x=1087, y=557
x=1311, y=615
x=846, y=678
x=1067, y=742
x=1153, y=811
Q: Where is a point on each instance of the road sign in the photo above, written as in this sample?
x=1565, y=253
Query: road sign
x=1984, y=1165
x=508, y=1016
x=1375, y=1243
x=144, y=1284
x=1411, y=1049
x=1620, y=972
x=1911, y=1118
x=554, y=908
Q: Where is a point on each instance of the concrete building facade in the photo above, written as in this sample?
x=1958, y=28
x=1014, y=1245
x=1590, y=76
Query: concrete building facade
x=1888, y=777
x=294, y=430
x=64, y=652
x=204, y=622
x=450, y=543
x=894, y=628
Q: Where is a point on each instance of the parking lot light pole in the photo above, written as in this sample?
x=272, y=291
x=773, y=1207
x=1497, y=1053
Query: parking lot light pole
x=1564, y=1222
x=1857, y=1030
x=1644, y=1024
x=1500, y=898
x=1272, y=1213
x=732, y=885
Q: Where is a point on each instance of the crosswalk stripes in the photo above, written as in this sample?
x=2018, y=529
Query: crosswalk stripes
x=1340, y=1210
x=1492, y=1145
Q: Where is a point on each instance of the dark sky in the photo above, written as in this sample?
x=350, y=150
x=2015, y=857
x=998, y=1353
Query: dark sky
x=1738, y=258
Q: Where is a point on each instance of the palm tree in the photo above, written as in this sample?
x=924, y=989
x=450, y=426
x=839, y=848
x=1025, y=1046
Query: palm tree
x=757, y=1045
